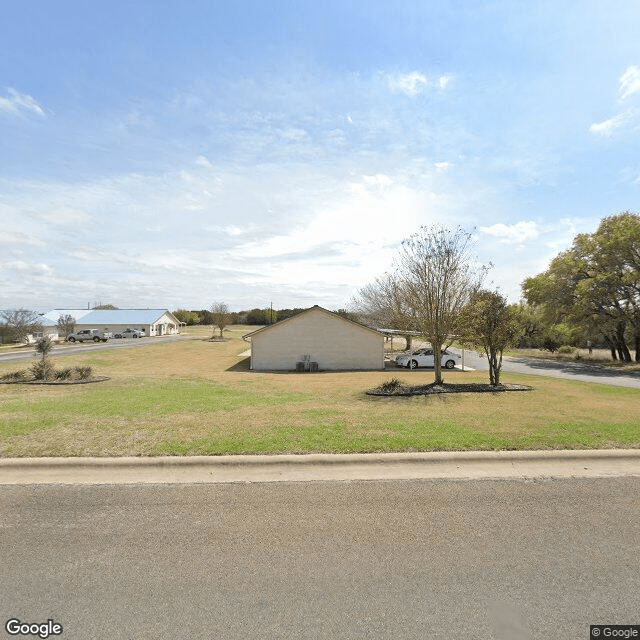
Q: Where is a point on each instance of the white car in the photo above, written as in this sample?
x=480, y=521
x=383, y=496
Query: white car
x=424, y=358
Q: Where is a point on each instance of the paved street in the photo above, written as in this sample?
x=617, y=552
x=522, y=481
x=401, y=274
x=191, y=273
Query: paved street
x=66, y=349
x=580, y=371
x=387, y=559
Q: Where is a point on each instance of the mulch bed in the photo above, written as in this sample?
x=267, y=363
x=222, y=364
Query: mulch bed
x=57, y=382
x=434, y=389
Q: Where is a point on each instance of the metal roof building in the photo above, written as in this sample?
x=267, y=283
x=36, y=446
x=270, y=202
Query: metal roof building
x=155, y=322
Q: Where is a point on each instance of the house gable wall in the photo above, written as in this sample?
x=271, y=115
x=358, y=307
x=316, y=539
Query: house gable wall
x=332, y=342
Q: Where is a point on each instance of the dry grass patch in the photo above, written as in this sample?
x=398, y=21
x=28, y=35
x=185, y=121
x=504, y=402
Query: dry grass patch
x=198, y=397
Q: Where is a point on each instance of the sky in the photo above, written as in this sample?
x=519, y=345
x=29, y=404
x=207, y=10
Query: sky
x=173, y=154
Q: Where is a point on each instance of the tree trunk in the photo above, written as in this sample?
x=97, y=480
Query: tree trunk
x=437, y=363
x=636, y=345
x=491, y=358
x=623, y=350
x=495, y=363
x=612, y=347
x=408, y=339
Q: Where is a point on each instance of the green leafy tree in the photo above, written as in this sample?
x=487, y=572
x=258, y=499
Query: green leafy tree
x=531, y=323
x=489, y=323
x=261, y=316
x=595, y=285
x=190, y=318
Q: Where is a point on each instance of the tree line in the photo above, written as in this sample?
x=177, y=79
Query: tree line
x=257, y=316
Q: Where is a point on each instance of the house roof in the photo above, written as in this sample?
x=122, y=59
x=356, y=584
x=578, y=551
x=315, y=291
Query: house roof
x=109, y=316
x=302, y=313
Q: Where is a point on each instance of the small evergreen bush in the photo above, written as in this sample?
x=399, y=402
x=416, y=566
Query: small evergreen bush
x=565, y=349
x=391, y=385
x=21, y=374
x=64, y=374
x=84, y=373
x=42, y=370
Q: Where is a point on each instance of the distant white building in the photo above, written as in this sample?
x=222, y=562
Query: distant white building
x=316, y=336
x=155, y=322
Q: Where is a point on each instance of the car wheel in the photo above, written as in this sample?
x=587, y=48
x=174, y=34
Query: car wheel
x=96, y=339
x=450, y=364
x=71, y=339
x=134, y=335
x=413, y=364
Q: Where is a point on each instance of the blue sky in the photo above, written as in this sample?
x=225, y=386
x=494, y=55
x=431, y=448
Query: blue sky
x=173, y=154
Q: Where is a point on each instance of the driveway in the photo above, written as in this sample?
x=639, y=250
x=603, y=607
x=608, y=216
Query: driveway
x=581, y=371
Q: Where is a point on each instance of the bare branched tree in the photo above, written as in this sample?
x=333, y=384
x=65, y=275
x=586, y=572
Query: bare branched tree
x=66, y=324
x=221, y=315
x=20, y=323
x=384, y=303
x=436, y=273
x=434, y=279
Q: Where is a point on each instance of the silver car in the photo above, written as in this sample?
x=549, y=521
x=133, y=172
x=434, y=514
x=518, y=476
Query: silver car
x=130, y=333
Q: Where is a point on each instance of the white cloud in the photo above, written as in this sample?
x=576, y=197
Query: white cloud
x=444, y=81
x=607, y=127
x=17, y=102
x=630, y=82
x=349, y=240
x=442, y=166
x=379, y=180
x=413, y=83
x=517, y=233
x=410, y=84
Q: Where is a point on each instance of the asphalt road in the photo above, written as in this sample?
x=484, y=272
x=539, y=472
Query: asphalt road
x=580, y=371
x=64, y=349
x=399, y=559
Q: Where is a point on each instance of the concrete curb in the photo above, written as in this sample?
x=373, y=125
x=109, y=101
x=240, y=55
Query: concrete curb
x=323, y=458
x=328, y=467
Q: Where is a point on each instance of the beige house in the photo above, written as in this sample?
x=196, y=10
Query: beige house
x=316, y=339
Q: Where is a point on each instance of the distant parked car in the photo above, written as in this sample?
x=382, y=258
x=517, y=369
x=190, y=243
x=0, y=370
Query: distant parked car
x=424, y=358
x=130, y=333
x=88, y=334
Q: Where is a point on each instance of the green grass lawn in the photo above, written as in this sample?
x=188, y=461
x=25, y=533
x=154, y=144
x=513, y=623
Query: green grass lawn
x=199, y=397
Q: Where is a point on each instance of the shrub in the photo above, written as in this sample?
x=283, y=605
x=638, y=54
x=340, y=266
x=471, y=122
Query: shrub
x=64, y=374
x=21, y=374
x=565, y=349
x=42, y=370
x=84, y=373
x=390, y=385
